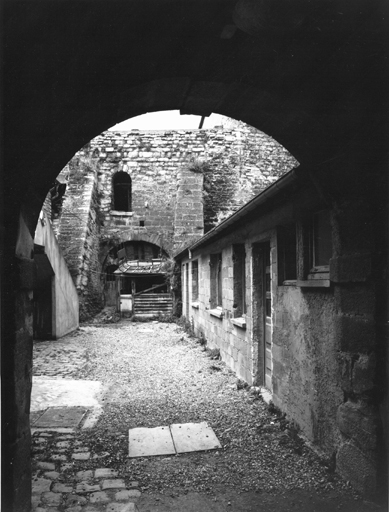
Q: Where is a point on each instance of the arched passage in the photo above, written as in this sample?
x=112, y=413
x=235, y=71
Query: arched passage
x=319, y=89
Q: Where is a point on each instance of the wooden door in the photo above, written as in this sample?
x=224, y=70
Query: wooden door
x=268, y=318
x=261, y=311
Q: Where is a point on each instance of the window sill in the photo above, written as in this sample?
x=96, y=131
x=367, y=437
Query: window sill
x=239, y=322
x=289, y=282
x=217, y=312
x=117, y=213
x=195, y=305
x=314, y=283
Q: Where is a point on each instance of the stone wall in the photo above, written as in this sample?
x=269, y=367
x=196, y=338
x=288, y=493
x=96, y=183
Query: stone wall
x=189, y=211
x=182, y=182
x=240, y=162
x=65, y=304
x=236, y=164
x=324, y=346
x=352, y=270
x=79, y=232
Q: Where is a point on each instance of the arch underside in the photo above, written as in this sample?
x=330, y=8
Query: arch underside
x=316, y=82
x=305, y=85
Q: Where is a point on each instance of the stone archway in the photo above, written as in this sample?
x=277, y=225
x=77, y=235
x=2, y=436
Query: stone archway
x=321, y=92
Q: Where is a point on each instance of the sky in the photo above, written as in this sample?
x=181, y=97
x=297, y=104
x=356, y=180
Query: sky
x=168, y=120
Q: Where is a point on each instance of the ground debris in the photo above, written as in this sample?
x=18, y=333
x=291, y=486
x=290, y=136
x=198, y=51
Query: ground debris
x=162, y=376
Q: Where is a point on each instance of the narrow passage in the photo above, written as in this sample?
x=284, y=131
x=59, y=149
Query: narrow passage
x=154, y=374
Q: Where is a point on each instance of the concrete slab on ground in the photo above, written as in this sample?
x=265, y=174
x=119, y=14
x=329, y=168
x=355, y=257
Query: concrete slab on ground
x=178, y=438
x=61, y=417
x=194, y=437
x=145, y=442
x=51, y=392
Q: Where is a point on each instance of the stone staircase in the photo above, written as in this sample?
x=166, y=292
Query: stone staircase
x=153, y=304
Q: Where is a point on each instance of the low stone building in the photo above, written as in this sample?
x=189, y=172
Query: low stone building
x=140, y=195
x=283, y=288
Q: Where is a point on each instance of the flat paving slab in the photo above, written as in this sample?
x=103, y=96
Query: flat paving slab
x=178, y=438
x=194, y=437
x=144, y=442
x=51, y=392
x=61, y=417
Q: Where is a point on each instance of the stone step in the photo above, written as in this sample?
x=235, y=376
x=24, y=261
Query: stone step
x=151, y=310
x=153, y=304
x=154, y=301
x=145, y=299
x=154, y=297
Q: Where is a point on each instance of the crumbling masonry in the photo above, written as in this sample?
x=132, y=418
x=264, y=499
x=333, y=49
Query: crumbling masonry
x=182, y=183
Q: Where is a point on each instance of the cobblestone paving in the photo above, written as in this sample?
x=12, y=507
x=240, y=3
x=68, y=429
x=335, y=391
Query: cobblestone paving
x=68, y=476
x=154, y=374
x=64, y=358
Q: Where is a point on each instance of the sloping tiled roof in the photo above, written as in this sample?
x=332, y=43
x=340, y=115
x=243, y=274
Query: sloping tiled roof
x=141, y=267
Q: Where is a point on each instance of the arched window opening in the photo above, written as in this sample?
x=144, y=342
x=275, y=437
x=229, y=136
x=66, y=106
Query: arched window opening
x=122, y=192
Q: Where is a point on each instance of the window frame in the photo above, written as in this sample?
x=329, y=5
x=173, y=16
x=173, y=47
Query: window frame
x=239, y=280
x=314, y=234
x=309, y=275
x=127, y=185
x=195, y=280
x=216, y=281
x=287, y=257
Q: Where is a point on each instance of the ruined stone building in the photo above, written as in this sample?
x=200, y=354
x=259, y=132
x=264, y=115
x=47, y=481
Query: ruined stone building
x=312, y=75
x=134, y=198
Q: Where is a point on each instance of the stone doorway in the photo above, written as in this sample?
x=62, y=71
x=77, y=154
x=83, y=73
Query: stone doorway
x=262, y=312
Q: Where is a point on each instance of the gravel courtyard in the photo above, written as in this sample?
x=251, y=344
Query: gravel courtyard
x=155, y=374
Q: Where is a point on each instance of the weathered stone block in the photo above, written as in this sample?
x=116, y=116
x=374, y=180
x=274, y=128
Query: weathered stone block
x=121, y=507
x=358, y=421
x=105, y=473
x=354, y=334
x=46, y=465
x=345, y=364
x=58, y=487
x=99, y=497
x=363, y=373
x=357, y=299
x=40, y=485
x=51, y=499
x=357, y=467
x=127, y=495
x=74, y=500
x=113, y=484
x=350, y=268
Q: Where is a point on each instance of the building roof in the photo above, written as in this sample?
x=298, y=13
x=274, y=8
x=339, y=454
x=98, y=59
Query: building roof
x=141, y=267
